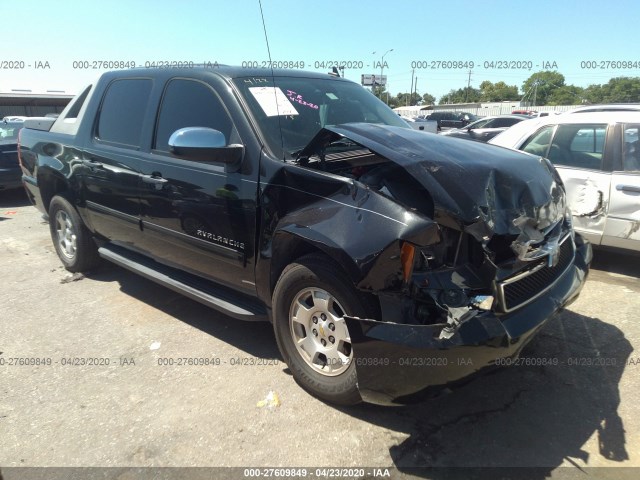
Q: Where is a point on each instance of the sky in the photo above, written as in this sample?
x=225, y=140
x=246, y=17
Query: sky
x=58, y=45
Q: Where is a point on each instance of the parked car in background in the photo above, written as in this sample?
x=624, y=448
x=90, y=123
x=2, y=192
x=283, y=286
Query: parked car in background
x=530, y=113
x=452, y=119
x=486, y=128
x=10, y=173
x=598, y=157
x=611, y=107
x=14, y=118
x=422, y=124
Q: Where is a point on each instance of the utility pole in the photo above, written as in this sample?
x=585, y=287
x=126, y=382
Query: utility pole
x=410, y=91
x=373, y=84
x=466, y=94
x=381, y=72
x=415, y=88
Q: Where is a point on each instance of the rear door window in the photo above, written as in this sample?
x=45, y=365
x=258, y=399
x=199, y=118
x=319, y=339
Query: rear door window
x=123, y=111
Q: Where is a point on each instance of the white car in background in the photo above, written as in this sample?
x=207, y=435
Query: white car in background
x=598, y=157
x=607, y=107
x=486, y=128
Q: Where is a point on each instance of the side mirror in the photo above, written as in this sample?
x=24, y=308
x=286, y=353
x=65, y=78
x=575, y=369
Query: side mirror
x=205, y=145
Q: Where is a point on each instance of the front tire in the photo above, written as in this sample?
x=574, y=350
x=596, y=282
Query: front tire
x=71, y=238
x=310, y=301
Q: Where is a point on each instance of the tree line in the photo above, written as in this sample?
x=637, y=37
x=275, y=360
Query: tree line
x=541, y=88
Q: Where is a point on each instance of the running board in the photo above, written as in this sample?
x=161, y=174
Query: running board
x=220, y=298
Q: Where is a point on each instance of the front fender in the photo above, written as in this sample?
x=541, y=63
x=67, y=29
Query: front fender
x=358, y=228
x=296, y=238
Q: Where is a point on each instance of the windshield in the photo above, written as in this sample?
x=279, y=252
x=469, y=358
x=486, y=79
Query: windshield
x=300, y=107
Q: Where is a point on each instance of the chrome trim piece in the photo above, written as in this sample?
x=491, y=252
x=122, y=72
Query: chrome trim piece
x=207, y=298
x=522, y=275
x=500, y=285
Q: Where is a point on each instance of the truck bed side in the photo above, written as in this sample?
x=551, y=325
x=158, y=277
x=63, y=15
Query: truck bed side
x=47, y=149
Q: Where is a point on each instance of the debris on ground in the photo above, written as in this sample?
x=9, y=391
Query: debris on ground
x=72, y=278
x=271, y=400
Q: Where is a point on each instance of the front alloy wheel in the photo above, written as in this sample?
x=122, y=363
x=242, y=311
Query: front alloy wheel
x=310, y=301
x=319, y=331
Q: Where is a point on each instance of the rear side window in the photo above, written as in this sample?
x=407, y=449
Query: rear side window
x=189, y=103
x=123, y=111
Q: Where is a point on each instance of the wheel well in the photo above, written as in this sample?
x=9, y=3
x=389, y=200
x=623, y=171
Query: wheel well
x=297, y=248
x=51, y=185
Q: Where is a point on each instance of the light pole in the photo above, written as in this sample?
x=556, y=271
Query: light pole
x=373, y=86
x=381, y=71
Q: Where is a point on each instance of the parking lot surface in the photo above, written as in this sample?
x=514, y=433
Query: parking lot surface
x=111, y=370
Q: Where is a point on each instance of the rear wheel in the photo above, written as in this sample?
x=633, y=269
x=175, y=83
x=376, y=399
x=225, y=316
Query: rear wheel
x=310, y=301
x=74, y=245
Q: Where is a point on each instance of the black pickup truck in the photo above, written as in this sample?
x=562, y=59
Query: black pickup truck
x=391, y=262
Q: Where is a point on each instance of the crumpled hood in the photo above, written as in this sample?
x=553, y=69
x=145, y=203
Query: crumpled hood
x=489, y=189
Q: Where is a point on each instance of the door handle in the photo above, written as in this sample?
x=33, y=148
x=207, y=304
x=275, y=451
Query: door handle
x=628, y=188
x=92, y=164
x=155, y=179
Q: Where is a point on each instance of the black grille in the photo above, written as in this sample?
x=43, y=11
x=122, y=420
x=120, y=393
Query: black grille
x=521, y=291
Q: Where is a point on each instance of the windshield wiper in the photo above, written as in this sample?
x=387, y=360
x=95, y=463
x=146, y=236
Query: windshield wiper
x=344, y=142
x=296, y=153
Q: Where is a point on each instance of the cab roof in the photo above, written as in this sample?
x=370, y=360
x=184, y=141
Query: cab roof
x=224, y=71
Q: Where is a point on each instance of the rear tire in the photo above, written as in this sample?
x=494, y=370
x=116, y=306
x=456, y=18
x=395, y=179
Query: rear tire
x=72, y=240
x=309, y=303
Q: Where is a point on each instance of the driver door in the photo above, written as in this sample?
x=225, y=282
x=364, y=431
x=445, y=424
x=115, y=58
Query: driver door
x=196, y=215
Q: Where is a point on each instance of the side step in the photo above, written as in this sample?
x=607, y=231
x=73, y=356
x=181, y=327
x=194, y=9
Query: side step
x=223, y=299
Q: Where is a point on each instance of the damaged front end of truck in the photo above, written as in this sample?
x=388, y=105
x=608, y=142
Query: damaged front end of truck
x=472, y=253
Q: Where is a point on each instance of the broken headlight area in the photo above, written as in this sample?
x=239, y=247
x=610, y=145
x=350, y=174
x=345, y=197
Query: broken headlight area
x=459, y=277
x=451, y=281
